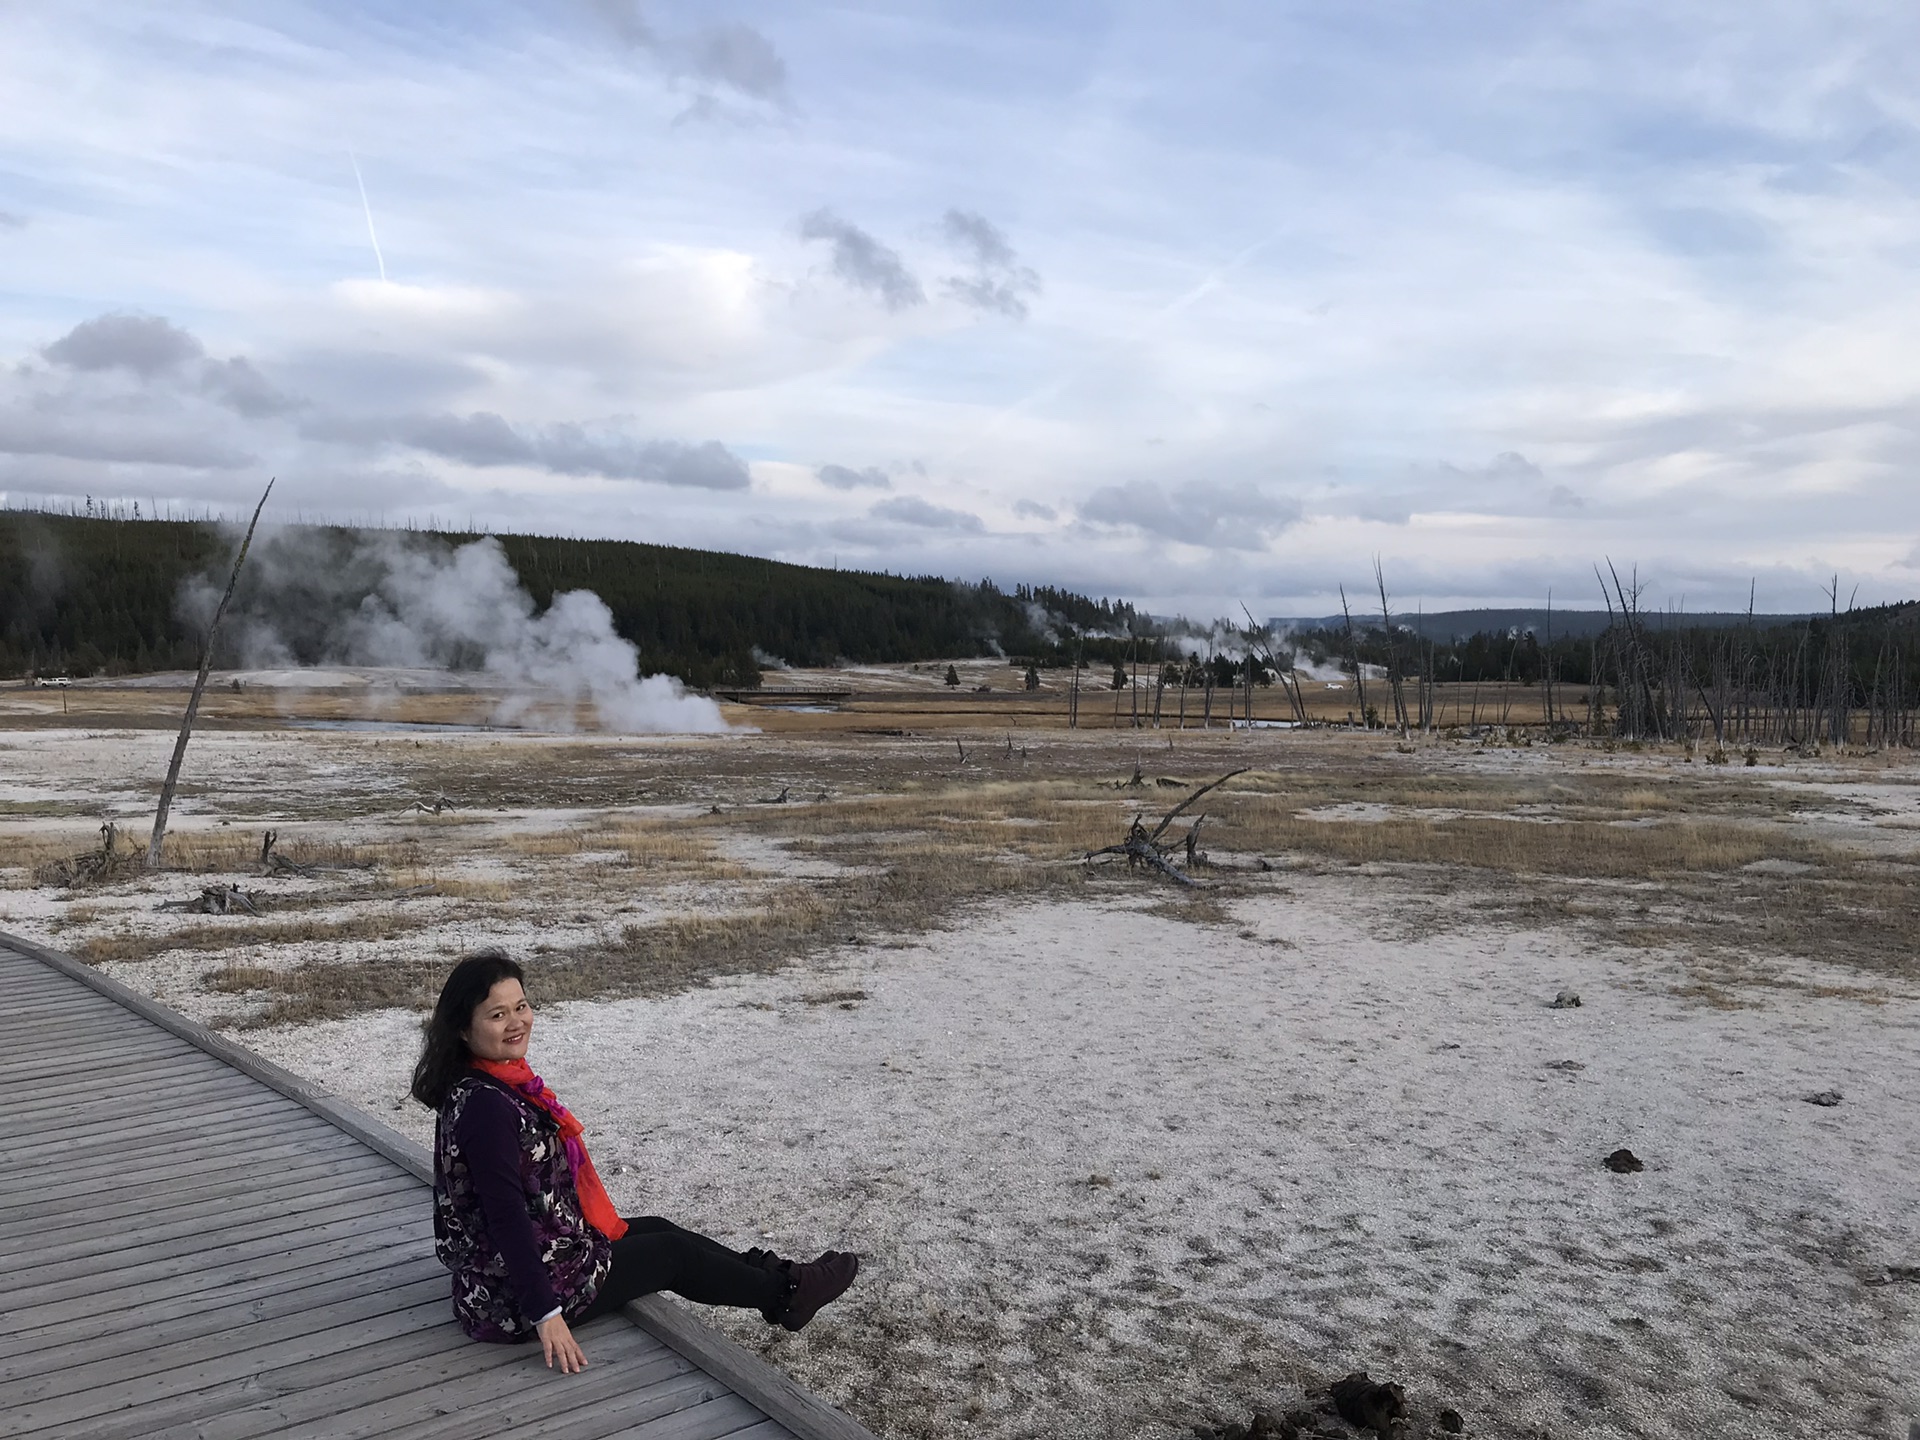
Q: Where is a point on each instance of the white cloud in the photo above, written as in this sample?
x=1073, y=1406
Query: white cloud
x=1662, y=258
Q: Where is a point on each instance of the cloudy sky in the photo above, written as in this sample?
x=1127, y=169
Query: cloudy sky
x=1201, y=304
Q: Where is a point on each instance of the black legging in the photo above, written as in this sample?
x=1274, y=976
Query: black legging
x=657, y=1254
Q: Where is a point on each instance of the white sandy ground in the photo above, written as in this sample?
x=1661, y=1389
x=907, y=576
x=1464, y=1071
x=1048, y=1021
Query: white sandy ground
x=1335, y=1189
x=1306, y=1175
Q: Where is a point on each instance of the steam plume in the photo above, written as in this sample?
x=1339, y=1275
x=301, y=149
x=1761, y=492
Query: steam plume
x=331, y=597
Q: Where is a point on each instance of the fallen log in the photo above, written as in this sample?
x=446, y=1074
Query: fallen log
x=412, y=892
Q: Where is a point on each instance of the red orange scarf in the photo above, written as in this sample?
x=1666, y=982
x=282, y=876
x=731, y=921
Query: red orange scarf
x=594, y=1203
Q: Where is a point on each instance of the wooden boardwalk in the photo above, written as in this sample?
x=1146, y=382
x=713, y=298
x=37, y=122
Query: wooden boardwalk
x=196, y=1245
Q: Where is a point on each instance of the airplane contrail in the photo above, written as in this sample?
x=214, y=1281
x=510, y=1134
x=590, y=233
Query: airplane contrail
x=379, y=259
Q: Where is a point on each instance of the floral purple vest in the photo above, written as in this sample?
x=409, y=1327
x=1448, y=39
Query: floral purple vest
x=576, y=1255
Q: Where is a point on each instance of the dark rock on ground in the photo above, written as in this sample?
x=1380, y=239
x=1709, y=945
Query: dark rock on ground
x=1262, y=1427
x=1566, y=1000
x=1624, y=1162
x=1452, y=1421
x=1371, y=1404
x=1823, y=1097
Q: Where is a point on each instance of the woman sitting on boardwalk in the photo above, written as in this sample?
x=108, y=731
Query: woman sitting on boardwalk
x=519, y=1215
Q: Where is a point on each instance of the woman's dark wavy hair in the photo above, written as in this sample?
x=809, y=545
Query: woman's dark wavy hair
x=445, y=1057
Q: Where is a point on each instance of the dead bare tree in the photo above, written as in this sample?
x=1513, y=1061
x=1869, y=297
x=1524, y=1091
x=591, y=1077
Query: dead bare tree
x=1353, y=649
x=1393, y=652
x=199, y=688
x=1289, y=681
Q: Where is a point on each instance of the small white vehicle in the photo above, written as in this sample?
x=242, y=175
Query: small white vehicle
x=53, y=682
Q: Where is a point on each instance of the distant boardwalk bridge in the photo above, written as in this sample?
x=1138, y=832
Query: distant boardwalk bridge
x=198, y=1245
x=782, y=695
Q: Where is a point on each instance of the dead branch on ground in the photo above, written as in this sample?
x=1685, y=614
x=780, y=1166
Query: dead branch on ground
x=272, y=862
x=215, y=900
x=1143, y=847
x=412, y=892
x=91, y=868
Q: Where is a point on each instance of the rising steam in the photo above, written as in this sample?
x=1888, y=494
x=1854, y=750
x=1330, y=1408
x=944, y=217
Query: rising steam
x=316, y=597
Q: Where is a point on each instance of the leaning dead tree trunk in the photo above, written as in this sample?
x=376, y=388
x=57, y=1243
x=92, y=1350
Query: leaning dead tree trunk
x=1353, y=649
x=1143, y=847
x=199, y=687
x=1393, y=652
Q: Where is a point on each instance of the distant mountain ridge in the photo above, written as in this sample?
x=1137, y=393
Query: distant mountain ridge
x=1447, y=625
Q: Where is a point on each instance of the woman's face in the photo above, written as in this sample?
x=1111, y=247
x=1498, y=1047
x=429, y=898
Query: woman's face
x=501, y=1024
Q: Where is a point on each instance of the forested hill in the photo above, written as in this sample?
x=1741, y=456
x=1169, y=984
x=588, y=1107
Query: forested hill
x=85, y=595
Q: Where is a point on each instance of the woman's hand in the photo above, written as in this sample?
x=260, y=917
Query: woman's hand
x=558, y=1343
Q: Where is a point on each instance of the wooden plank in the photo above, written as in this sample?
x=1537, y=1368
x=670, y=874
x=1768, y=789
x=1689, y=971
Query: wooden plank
x=250, y=1339
x=261, y=1109
x=237, y=1125
x=94, y=1148
x=374, y=1208
x=103, y=1211
x=725, y=1414
x=58, y=1009
x=85, y=1013
x=164, y=1234
x=83, y=1084
x=427, y=1364
x=98, y=1029
x=164, y=1160
x=623, y=1411
x=118, y=1049
x=525, y=1402
x=412, y=1156
x=339, y=1344
x=106, y=1309
x=35, y=986
x=77, y=1003
x=739, y=1369
x=136, y=1174
x=249, y=1256
x=159, y=1089
x=102, y=1122
x=613, y=1348
x=416, y=1381
x=146, y=1330
x=763, y=1430
x=106, y=1133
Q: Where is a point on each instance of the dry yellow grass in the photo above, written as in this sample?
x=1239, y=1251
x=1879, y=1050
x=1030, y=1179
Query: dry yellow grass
x=1639, y=847
x=216, y=933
